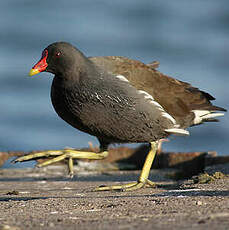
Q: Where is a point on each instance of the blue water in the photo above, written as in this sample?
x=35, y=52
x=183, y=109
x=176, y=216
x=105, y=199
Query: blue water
x=189, y=38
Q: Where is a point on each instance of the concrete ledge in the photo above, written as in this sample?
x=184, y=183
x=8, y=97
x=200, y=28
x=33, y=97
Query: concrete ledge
x=45, y=199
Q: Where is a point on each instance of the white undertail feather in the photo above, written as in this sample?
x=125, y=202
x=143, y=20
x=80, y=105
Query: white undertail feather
x=205, y=115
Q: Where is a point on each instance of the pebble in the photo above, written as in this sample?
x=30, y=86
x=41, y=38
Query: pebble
x=199, y=202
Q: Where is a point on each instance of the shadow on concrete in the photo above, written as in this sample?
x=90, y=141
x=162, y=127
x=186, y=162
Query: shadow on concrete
x=177, y=193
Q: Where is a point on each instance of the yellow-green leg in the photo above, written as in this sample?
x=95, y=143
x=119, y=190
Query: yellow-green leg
x=143, y=179
x=60, y=155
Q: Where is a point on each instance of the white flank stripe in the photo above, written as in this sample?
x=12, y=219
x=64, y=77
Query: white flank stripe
x=121, y=77
x=169, y=117
x=181, y=132
x=146, y=94
x=155, y=103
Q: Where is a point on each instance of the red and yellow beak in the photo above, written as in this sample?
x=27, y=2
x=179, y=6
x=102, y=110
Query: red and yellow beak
x=41, y=65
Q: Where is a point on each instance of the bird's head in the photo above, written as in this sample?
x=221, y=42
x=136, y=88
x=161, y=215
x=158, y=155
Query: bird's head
x=59, y=58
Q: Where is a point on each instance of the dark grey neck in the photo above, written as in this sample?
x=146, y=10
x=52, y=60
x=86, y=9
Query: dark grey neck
x=79, y=67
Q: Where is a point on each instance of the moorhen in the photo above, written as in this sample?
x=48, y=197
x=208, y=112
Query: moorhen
x=119, y=100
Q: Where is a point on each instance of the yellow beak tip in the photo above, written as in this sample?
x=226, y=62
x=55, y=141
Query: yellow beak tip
x=33, y=72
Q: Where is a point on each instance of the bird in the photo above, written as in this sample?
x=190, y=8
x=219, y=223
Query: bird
x=118, y=100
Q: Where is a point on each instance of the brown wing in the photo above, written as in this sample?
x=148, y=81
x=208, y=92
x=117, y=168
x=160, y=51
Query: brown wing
x=176, y=97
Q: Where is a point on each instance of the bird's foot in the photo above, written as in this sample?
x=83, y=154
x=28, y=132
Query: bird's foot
x=127, y=187
x=59, y=155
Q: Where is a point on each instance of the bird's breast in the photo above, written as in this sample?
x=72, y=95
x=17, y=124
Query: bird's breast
x=67, y=102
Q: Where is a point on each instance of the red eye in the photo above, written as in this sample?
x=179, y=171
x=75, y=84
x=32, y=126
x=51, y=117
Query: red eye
x=58, y=54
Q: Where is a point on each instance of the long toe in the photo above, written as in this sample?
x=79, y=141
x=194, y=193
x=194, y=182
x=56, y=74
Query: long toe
x=126, y=187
